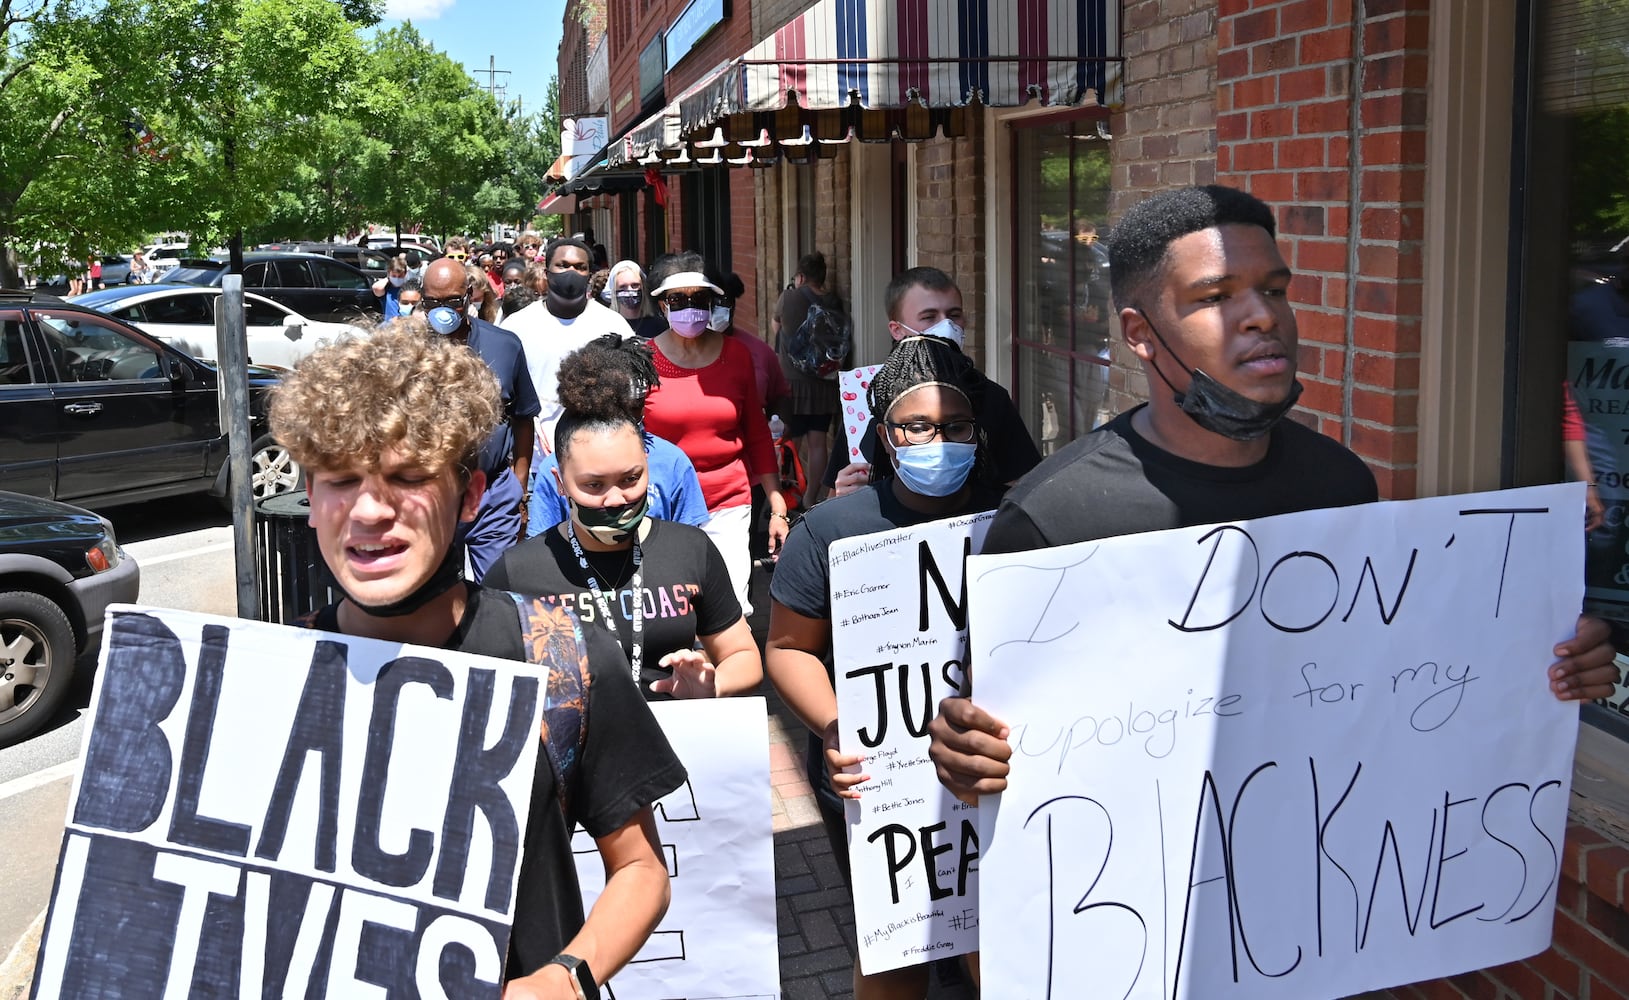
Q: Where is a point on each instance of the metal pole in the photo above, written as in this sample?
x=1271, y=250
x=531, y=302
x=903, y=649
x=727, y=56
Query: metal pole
x=233, y=373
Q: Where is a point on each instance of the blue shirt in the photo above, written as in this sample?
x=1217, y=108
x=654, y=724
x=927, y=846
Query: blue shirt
x=502, y=353
x=675, y=492
x=392, y=301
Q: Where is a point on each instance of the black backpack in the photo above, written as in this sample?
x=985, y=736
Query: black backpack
x=819, y=345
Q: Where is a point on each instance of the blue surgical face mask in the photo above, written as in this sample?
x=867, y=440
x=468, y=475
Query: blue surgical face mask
x=935, y=469
x=945, y=329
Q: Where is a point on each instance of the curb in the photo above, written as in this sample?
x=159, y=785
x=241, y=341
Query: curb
x=17, y=971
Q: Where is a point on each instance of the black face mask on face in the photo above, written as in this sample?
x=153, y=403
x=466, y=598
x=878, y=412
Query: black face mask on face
x=1218, y=409
x=568, y=293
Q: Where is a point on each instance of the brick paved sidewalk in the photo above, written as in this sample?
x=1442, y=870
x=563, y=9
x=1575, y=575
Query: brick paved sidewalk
x=813, y=906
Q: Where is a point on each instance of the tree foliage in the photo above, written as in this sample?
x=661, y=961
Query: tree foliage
x=274, y=118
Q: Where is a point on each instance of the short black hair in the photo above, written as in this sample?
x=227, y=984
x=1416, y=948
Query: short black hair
x=603, y=386
x=1143, y=236
x=813, y=267
x=517, y=295
x=930, y=278
x=565, y=241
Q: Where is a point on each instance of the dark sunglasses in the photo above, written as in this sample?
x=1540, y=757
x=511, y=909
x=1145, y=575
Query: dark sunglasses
x=688, y=300
x=451, y=302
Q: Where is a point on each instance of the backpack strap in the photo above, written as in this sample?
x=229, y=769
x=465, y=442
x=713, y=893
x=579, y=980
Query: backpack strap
x=553, y=639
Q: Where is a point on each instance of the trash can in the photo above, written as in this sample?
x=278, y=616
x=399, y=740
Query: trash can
x=290, y=577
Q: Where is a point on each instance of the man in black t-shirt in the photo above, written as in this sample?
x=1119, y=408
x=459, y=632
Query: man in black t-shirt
x=393, y=462
x=924, y=302
x=1202, y=293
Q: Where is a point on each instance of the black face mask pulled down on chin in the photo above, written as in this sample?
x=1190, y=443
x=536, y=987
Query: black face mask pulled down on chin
x=568, y=293
x=1218, y=409
x=447, y=575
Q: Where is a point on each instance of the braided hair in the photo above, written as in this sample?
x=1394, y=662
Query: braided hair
x=602, y=386
x=915, y=362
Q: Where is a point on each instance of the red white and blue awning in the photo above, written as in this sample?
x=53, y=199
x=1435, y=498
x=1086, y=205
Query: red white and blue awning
x=887, y=54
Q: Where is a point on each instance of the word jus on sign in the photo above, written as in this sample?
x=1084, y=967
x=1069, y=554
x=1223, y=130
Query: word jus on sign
x=899, y=604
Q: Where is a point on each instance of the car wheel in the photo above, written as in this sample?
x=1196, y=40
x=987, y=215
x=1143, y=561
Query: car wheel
x=36, y=663
x=273, y=470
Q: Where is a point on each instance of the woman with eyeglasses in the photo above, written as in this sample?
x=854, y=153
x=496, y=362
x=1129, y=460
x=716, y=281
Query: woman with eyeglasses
x=936, y=468
x=708, y=404
x=621, y=559
x=457, y=248
x=625, y=292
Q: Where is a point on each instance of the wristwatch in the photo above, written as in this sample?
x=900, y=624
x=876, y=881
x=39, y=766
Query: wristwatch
x=582, y=977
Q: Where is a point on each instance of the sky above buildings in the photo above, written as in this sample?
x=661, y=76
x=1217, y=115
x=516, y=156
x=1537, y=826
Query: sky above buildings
x=523, y=36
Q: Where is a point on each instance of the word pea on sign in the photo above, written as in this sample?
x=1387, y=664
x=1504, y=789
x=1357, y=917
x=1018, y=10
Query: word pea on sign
x=1301, y=757
x=899, y=643
x=851, y=387
x=273, y=811
x=718, y=937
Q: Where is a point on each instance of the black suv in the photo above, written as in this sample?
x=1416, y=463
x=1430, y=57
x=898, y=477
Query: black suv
x=95, y=412
x=309, y=283
x=60, y=567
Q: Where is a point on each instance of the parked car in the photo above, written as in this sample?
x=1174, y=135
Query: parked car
x=374, y=261
x=162, y=258
x=115, y=271
x=420, y=240
x=310, y=284
x=60, y=567
x=95, y=412
x=183, y=316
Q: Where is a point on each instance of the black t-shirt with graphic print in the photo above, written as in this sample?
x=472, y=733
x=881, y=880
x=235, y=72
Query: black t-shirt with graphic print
x=685, y=587
x=626, y=765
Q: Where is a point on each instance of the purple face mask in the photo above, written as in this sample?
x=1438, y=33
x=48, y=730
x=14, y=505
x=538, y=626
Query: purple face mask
x=688, y=323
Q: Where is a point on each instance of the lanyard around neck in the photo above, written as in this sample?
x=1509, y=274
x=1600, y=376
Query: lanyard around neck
x=636, y=656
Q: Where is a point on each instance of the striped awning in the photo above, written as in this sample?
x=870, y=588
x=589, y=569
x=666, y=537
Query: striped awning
x=885, y=54
x=658, y=132
x=557, y=170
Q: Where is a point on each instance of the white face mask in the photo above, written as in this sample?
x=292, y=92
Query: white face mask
x=407, y=308
x=945, y=329
x=397, y=279
x=719, y=319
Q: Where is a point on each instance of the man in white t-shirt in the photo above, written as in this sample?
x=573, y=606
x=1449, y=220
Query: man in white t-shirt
x=565, y=319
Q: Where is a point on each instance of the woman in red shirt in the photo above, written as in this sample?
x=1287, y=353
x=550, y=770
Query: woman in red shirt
x=708, y=404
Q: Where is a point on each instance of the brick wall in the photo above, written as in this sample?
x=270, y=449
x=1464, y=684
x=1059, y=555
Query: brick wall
x=950, y=207
x=1324, y=118
x=1165, y=134
x=834, y=230
x=1589, y=959
x=744, y=246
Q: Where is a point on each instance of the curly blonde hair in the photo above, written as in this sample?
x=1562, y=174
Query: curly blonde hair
x=434, y=401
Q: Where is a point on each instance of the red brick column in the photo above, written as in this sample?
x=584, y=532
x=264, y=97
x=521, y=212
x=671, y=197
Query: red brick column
x=1323, y=117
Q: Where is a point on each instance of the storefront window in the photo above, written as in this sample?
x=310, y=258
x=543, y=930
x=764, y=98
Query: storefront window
x=1060, y=276
x=1567, y=414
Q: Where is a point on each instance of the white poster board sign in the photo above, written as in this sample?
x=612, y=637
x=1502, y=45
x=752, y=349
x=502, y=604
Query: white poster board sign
x=851, y=388
x=718, y=938
x=268, y=810
x=899, y=640
x=1299, y=757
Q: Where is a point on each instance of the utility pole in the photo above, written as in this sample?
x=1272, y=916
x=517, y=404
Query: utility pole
x=492, y=72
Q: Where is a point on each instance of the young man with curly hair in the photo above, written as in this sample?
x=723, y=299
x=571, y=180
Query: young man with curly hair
x=390, y=430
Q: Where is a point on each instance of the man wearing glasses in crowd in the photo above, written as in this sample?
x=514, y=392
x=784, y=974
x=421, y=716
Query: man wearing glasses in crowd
x=564, y=319
x=506, y=458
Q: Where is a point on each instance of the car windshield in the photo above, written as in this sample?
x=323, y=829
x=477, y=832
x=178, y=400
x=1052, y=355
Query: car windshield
x=195, y=276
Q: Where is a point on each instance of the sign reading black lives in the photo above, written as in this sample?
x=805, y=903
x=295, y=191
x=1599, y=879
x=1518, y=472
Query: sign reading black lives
x=280, y=812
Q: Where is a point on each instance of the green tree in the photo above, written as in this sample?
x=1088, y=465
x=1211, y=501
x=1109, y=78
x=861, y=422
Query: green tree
x=70, y=87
